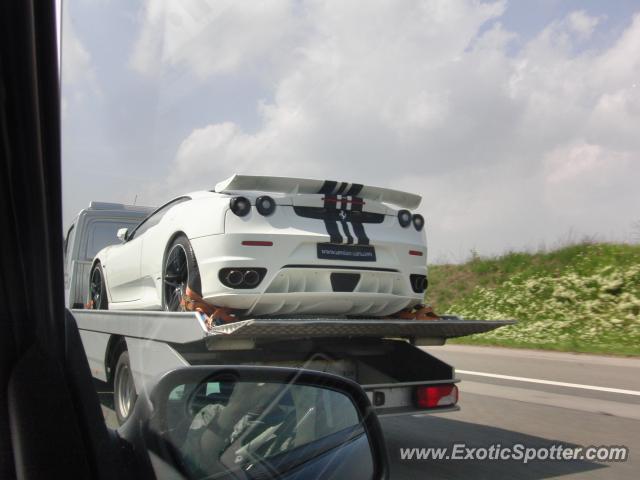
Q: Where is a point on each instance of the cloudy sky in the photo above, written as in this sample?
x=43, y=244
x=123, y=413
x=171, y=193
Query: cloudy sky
x=517, y=121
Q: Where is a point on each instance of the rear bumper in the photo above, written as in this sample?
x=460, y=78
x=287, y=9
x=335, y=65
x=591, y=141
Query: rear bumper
x=298, y=282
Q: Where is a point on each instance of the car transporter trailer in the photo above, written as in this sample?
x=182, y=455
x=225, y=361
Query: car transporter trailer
x=131, y=349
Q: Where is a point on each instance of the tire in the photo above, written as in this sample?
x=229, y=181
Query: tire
x=179, y=271
x=98, y=289
x=124, y=390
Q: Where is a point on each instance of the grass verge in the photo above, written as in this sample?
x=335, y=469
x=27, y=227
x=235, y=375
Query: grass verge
x=580, y=298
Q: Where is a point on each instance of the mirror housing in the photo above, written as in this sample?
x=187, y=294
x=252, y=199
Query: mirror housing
x=280, y=424
x=122, y=234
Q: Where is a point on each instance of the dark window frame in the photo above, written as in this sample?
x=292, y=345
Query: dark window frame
x=66, y=239
x=162, y=210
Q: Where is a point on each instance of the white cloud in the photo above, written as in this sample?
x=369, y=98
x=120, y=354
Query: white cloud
x=211, y=36
x=367, y=82
x=425, y=96
x=77, y=70
x=76, y=60
x=581, y=23
x=582, y=162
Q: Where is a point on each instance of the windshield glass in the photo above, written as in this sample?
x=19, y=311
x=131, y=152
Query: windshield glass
x=103, y=234
x=347, y=186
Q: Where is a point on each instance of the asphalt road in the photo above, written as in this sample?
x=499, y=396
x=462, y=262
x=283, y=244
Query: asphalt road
x=602, y=409
x=510, y=412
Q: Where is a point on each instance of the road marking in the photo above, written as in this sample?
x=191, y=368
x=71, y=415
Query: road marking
x=551, y=382
x=558, y=400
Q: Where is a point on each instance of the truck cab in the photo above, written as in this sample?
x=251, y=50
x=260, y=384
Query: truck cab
x=92, y=229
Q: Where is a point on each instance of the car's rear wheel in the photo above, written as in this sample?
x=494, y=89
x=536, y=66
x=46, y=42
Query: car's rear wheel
x=124, y=390
x=98, y=289
x=180, y=271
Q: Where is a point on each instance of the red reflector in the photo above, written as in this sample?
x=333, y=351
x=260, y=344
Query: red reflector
x=343, y=200
x=436, y=396
x=417, y=253
x=256, y=243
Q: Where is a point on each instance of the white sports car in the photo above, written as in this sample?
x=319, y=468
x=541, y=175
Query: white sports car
x=271, y=246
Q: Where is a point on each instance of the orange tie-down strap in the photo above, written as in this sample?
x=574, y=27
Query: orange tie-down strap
x=192, y=302
x=418, y=312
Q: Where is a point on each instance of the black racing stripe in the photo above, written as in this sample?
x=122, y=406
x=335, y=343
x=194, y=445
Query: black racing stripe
x=347, y=233
x=344, y=223
x=328, y=187
x=319, y=213
x=358, y=230
x=342, y=188
x=341, y=267
x=355, y=189
x=358, y=227
x=330, y=222
x=332, y=230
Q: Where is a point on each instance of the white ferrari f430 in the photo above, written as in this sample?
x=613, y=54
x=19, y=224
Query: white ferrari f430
x=267, y=246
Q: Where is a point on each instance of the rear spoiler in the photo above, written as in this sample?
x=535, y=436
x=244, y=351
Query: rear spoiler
x=294, y=186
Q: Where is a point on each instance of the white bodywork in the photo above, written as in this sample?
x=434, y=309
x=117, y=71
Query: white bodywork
x=297, y=281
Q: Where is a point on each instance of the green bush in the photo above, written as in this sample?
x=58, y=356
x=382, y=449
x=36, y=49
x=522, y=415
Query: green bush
x=582, y=298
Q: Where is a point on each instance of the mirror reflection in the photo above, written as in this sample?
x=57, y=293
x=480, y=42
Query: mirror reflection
x=224, y=425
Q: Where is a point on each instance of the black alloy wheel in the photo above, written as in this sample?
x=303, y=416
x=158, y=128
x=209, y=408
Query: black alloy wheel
x=175, y=279
x=97, y=289
x=180, y=271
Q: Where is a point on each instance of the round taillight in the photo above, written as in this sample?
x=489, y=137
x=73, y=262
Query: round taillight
x=265, y=205
x=404, y=217
x=241, y=206
x=418, y=221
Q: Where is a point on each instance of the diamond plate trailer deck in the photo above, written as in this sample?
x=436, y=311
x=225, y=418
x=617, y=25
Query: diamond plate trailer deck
x=381, y=354
x=447, y=327
x=190, y=326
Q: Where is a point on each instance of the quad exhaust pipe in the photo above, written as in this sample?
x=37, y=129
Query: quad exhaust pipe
x=242, y=278
x=251, y=278
x=234, y=277
x=419, y=283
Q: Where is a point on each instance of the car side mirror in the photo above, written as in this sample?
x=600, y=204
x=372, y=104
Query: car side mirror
x=122, y=234
x=261, y=422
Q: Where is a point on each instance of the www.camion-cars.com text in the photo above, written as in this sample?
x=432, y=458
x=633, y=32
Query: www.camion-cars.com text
x=518, y=452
